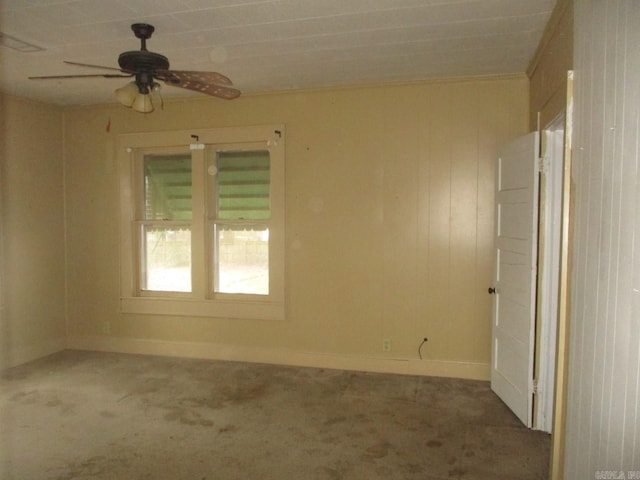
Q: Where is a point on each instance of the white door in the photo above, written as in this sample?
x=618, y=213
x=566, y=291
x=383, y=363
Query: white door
x=514, y=288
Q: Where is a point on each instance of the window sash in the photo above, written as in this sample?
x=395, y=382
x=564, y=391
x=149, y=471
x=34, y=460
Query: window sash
x=241, y=259
x=239, y=199
x=164, y=265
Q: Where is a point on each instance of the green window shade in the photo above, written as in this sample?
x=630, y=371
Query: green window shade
x=167, y=187
x=243, y=185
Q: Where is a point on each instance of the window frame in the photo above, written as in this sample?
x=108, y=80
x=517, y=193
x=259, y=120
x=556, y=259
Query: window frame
x=202, y=300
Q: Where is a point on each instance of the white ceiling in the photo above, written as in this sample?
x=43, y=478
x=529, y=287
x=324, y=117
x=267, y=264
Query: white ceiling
x=268, y=45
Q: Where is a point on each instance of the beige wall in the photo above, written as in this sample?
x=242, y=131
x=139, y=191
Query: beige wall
x=32, y=281
x=548, y=68
x=389, y=216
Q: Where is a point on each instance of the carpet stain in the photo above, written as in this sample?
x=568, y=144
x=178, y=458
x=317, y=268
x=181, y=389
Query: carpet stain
x=45, y=399
x=330, y=440
x=457, y=472
x=64, y=407
x=332, y=473
x=414, y=468
x=336, y=471
x=228, y=429
x=54, y=402
x=434, y=443
x=187, y=417
x=335, y=420
x=89, y=468
x=148, y=385
x=379, y=450
x=26, y=398
x=211, y=402
x=246, y=393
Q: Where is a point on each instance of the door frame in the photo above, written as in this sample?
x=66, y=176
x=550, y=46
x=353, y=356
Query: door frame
x=549, y=249
x=562, y=352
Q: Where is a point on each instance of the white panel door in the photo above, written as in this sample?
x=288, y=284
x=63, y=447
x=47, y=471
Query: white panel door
x=514, y=288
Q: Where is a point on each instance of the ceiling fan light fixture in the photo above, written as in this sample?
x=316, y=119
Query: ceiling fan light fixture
x=143, y=103
x=127, y=95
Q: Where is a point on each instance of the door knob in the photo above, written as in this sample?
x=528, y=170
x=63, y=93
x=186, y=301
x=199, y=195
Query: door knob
x=492, y=290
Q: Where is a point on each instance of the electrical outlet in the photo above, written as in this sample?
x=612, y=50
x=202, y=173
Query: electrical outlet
x=386, y=344
x=105, y=328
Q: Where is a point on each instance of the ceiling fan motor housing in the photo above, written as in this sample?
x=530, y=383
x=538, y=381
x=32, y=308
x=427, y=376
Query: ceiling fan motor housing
x=143, y=64
x=142, y=60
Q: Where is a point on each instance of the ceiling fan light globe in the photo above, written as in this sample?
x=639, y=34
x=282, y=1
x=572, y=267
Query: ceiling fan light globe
x=143, y=103
x=127, y=95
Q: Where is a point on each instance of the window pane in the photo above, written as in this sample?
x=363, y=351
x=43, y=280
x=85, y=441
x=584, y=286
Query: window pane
x=166, y=259
x=243, y=185
x=167, y=187
x=242, y=258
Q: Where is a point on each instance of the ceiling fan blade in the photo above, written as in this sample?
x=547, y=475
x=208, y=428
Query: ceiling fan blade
x=221, y=91
x=94, y=75
x=177, y=77
x=93, y=66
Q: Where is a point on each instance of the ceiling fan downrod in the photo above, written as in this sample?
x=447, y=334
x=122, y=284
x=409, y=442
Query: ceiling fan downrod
x=142, y=31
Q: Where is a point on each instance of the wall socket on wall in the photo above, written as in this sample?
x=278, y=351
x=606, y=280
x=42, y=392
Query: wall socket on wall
x=386, y=344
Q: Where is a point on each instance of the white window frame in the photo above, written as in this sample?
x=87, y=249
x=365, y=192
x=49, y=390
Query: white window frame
x=201, y=301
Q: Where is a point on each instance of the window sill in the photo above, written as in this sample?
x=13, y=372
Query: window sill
x=203, y=308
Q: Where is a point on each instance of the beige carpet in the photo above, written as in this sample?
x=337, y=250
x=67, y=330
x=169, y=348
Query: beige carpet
x=86, y=415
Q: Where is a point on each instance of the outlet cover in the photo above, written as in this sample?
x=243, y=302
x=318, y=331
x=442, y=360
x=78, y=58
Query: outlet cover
x=386, y=344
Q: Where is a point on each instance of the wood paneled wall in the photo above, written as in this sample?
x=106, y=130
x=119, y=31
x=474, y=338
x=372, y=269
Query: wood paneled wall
x=548, y=68
x=32, y=313
x=389, y=215
x=603, y=413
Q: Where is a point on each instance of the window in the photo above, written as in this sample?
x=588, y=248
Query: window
x=242, y=208
x=203, y=223
x=167, y=211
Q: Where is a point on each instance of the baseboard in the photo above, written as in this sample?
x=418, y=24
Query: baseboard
x=212, y=351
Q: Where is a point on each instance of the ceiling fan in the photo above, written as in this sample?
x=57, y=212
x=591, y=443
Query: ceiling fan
x=149, y=67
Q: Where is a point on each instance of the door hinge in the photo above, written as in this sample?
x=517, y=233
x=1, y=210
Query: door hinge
x=534, y=387
x=543, y=164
